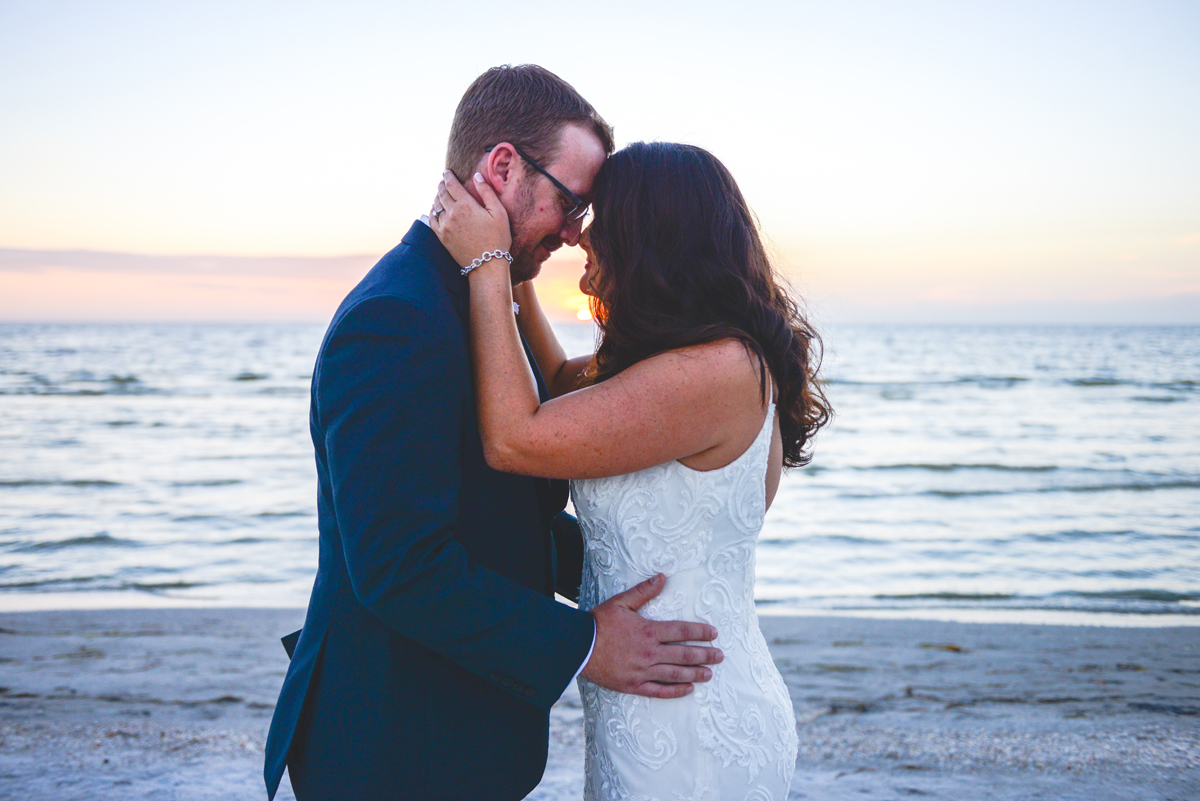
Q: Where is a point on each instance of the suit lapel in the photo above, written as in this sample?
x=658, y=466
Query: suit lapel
x=552, y=493
x=423, y=240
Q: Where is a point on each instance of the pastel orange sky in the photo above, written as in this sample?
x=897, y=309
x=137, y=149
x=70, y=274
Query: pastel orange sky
x=115, y=287
x=908, y=161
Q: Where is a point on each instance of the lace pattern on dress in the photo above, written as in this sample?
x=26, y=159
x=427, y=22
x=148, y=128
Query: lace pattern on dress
x=735, y=736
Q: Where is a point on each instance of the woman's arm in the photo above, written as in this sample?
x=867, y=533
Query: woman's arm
x=562, y=374
x=674, y=405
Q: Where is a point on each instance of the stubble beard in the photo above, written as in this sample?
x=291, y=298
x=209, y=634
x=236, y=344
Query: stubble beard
x=525, y=266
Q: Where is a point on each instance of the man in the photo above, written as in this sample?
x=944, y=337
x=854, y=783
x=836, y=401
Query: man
x=433, y=649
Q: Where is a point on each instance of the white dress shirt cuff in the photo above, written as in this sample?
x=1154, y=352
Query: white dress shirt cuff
x=588, y=658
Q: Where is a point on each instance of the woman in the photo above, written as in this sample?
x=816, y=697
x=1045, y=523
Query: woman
x=675, y=432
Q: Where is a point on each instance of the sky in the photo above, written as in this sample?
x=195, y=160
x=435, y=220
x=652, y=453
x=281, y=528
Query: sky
x=1027, y=162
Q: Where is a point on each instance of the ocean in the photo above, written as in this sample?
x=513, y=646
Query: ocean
x=985, y=472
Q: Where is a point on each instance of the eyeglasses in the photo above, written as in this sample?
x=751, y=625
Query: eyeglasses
x=579, y=208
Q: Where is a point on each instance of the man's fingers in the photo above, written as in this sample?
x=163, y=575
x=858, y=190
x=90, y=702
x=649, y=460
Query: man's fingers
x=652, y=689
x=659, y=659
x=636, y=597
x=684, y=631
x=678, y=674
x=689, y=655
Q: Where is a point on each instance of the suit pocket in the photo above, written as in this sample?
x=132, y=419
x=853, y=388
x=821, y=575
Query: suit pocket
x=289, y=642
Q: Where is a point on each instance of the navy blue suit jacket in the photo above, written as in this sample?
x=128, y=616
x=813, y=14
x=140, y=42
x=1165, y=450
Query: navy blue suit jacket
x=433, y=648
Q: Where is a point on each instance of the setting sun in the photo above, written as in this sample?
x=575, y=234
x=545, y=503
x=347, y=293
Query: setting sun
x=558, y=286
x=245, y=390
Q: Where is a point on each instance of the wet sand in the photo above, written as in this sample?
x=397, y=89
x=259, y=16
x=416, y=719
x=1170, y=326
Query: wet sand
x=174, y=704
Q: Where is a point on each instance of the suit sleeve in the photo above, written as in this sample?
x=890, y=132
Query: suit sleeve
x=390, y=396
x=568, y=552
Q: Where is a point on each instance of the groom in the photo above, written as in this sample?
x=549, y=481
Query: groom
x=433, y=647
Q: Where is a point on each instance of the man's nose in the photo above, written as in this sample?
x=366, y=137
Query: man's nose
x=569, y=233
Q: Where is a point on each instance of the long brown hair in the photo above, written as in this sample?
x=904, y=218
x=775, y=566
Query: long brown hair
x=681, y=263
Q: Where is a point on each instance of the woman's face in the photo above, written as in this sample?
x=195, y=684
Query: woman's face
x=591, y=268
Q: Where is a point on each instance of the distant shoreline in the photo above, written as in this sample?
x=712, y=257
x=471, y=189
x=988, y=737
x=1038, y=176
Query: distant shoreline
x=125, y=601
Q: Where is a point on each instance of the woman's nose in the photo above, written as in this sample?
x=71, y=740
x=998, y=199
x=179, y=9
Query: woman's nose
x=570, y=232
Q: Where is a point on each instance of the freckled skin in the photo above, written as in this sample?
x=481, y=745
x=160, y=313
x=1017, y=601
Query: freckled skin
x=701, y=405
x=539, y=225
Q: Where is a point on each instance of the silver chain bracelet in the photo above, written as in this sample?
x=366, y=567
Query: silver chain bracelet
x=488, y=256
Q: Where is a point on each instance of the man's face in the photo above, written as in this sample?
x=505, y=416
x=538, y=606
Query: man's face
x=538, y=216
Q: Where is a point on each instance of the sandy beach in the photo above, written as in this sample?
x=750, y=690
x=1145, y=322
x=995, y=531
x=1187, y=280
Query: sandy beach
x=174, y=704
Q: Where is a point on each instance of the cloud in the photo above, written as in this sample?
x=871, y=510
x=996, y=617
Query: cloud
x=96, y=286
x=92, y=261
x=1182, y=308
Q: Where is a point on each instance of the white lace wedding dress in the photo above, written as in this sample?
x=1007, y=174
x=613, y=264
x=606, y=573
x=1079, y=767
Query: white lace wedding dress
x=734, y=738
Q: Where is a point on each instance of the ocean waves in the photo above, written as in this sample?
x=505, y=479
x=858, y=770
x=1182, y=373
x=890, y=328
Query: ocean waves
x=157, y=460
x=1141, y=601
x=967, y=468
x=84, y=584
x=86, y=385
x=1150, y=602
x=1010, y=382
x=997, y=468
x=952, y=481
x=102, y=539
x=80, y=384
x=1147, y=486
x=79, y=483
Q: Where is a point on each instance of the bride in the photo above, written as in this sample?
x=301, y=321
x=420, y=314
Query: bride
x=675, y=433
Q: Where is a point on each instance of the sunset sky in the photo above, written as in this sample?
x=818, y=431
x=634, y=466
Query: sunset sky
x=909, y=161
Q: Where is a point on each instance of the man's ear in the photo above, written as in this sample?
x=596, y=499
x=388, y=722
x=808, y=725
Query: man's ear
x=501, y=168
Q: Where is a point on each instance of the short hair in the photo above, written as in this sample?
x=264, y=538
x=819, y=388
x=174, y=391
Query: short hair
x=526, y=105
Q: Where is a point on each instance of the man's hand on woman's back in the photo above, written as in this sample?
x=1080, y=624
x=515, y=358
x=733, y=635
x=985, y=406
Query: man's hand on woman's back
x=647, y=657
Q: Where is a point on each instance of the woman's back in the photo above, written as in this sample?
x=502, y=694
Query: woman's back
x=734, y=737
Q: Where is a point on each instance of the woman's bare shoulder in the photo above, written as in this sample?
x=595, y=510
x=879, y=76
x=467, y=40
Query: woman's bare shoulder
x=723, y=365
